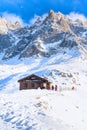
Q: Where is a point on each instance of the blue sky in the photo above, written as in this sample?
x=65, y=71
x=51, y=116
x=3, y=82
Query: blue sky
x=26, y=9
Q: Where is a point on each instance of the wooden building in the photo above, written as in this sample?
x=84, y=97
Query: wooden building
x=33, y=82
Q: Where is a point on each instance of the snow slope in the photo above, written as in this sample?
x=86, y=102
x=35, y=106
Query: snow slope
x=65, y=109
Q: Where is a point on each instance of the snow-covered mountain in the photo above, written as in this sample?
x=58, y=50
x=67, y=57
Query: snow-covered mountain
x=45, y=37
x=55, y=48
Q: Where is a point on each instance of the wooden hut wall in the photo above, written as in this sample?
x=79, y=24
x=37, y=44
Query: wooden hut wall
x=22, y=85
x=33, y=82
x=32, y=85
x=28, y=84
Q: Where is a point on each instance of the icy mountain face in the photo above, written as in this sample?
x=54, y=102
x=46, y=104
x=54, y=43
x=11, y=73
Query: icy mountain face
x=45, y=37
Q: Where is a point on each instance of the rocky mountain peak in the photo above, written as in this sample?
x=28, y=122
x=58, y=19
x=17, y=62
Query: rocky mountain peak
x=85, y=23
x=60, y=15
x=57, y=21
x=2, y=21
x=55, y=31
x=5, y=26
x=64, y=24
x=14, y=25
x=52, y=15
x=55, y=16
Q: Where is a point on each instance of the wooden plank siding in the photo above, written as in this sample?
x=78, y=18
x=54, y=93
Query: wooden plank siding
x=32, y=82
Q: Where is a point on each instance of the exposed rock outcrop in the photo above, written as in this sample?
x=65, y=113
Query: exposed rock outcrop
x=45, y=37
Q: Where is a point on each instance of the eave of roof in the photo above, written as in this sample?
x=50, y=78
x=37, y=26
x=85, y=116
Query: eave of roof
x=32, y=76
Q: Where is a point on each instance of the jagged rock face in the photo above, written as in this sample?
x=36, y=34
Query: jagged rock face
x=5, y=26
x=45, y=37
x=5, y=42
x=13, y=26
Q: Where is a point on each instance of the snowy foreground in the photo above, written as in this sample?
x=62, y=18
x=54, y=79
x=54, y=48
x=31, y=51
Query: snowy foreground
x=65, y=109
x=43, y=110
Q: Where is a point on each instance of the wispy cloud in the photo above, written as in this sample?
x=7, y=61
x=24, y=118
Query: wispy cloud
x=74, y=16
x=32, y=21
x=13, y=18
